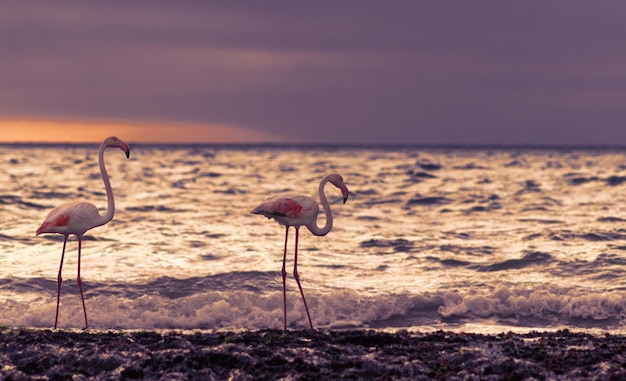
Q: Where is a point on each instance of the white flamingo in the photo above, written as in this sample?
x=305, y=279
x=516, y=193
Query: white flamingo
x=79, y=217
x=299, y=210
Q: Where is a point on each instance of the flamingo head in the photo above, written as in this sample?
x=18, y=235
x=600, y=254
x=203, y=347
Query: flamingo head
x=337, y=180
x=114, y=141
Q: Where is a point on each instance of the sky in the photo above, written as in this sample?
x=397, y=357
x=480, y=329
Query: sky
x=531, y=72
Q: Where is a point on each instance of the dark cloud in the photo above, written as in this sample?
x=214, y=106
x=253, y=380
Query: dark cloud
x=479, y=72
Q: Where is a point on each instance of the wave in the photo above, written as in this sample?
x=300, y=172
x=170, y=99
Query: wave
x=166, y=287
x=615, y=180
x=610, y=219
x=605, y=266
x=470, y=166
x=539, y=307
x=419, y=176
x=576, y=179
x=428, y=201
x=483, y=208
x=223, y=309
x=468, y=250
x=398, y=245
x=549, y=304
x=540, y=221
x=16, y=200
x=155, y=208
x=428, y=165
x=587, y=236
x=531, y=258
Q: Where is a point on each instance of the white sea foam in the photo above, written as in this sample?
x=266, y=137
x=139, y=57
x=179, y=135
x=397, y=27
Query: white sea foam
x=549, y=303
x=336, y=309
x=208, y=310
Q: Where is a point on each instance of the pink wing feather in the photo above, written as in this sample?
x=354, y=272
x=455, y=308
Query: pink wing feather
x=285, y=207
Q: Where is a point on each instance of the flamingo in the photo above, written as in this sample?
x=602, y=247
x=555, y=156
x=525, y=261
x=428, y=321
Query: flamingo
x=299, y=210
x=79, y=217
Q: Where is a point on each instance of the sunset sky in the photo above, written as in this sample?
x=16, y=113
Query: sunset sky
x=352, y=71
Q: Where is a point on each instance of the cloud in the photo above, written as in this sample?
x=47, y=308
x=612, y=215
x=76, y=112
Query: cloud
x=484, y=72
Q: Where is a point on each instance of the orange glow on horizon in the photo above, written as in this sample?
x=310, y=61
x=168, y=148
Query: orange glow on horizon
x=57, y=131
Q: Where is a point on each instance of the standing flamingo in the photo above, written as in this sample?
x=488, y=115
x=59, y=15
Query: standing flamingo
x=297, y=210
x=78, y=217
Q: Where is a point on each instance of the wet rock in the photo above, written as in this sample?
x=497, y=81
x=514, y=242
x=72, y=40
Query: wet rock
x=309, y=354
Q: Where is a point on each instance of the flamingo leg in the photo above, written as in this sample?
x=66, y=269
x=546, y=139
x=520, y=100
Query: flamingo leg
x=297, y=277
x=284, y=273
x=59, y=281
x=80, y=282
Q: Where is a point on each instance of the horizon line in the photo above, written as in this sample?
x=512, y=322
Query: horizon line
x=335, y=144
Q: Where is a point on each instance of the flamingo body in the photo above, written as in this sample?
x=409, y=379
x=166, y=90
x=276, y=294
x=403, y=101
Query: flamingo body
x=299, y=210
x=289, y=209
x=73, y=217
x=78, y=217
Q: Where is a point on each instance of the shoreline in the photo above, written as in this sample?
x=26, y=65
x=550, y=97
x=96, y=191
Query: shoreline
x=309, y=354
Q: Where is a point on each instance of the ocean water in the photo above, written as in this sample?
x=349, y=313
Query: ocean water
x=481, y=240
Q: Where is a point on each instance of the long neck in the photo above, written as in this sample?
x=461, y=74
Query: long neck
x=316, y=230
x=108, y=214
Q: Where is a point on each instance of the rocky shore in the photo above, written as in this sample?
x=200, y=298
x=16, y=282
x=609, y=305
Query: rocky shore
x=27, y=354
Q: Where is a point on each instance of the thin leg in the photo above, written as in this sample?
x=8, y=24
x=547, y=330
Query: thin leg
x=297, y=277
x=59, y=281
x=284, y=272
x=80, y=282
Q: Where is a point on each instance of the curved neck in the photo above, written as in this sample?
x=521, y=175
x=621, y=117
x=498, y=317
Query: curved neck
x=108, y=214
x=316, y=230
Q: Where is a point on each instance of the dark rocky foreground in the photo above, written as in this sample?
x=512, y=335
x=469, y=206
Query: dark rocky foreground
x=308, y=355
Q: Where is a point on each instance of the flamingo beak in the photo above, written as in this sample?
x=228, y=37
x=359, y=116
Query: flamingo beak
x=114, y=141
x=344, y=191
x=124, y=147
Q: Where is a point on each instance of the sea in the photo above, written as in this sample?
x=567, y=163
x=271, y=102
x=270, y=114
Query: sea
x=472, y=239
